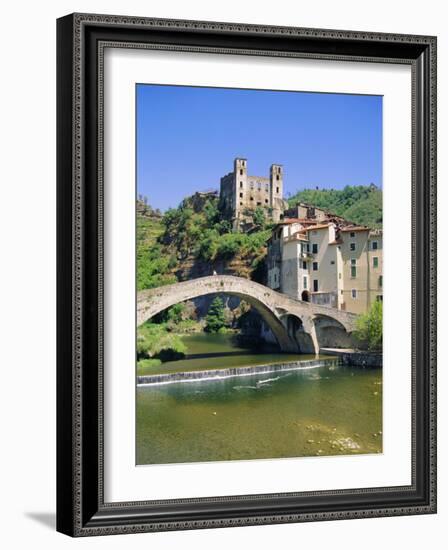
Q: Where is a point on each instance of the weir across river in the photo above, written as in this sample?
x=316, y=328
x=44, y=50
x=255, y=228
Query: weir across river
x=232, y=372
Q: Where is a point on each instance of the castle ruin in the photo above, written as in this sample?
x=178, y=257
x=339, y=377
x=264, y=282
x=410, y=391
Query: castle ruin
x=241, y=194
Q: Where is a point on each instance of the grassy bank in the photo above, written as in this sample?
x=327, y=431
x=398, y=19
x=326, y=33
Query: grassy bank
x=155, y=341
x=158, y=343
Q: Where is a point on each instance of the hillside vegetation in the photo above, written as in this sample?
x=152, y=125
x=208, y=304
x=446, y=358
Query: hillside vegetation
x=195, y=239
x=362, y=204
x=153, y=263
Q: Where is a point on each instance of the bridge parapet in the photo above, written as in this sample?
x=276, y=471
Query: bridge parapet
x=152, y=301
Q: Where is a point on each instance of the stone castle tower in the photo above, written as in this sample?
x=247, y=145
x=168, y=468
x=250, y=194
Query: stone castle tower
x=240, y=194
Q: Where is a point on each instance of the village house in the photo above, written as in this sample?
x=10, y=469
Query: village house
x=311, y=213
x=324, y=259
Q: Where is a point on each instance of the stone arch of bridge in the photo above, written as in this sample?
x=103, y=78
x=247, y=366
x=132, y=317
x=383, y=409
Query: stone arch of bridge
x=331, y=333
x=297, y=331
x=279, y=330
x=275, y=308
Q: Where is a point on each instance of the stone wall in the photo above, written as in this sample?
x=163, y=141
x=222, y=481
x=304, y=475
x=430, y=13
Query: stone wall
x=369, y=359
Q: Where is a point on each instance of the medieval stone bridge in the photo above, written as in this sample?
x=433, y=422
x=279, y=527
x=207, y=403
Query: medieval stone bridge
x=297, y=326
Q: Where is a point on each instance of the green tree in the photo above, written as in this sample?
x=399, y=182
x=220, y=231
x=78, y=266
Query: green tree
x=259, y=217
x=211, y=213
x=153, y=268
x=207, y=246
x=361, y=204
x=173, y=315
x=215, y=319
x=230, y=244
x=224, y=226
x=369, y=328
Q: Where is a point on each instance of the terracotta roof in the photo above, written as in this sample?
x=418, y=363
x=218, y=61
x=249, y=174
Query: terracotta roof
x=326, y=212
x=354, y=228
x=318, y=226
x=288, y=221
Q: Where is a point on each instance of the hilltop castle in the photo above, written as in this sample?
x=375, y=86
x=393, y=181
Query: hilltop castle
x=240, y=194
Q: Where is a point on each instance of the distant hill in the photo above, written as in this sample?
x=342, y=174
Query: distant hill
x=362, y=204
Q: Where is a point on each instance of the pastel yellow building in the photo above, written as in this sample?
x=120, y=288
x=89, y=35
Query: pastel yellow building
x=362, y=268
x=330, y=263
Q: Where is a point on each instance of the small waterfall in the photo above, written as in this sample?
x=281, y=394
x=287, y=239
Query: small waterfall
x=217, y=374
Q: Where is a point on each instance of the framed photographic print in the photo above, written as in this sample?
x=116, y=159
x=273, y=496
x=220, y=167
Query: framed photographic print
x=246, y=274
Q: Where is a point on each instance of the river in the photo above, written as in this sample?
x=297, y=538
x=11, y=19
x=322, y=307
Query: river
x=310, y=412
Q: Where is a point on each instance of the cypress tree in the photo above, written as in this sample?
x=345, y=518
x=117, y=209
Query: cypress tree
x=215, y=319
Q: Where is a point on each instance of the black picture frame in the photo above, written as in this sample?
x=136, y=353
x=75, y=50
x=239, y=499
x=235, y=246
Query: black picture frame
x=81, y=510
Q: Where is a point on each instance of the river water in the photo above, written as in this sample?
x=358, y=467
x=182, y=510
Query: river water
x=310, y=412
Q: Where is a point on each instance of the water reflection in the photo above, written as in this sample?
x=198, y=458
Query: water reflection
x=312, y=412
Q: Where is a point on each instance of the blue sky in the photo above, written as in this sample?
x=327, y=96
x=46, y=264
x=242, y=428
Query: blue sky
x=187, y=138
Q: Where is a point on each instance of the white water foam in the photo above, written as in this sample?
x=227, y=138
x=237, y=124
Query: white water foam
x=223, y=377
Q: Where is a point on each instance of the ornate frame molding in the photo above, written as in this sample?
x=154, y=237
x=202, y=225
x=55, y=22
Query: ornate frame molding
x=81, y=42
